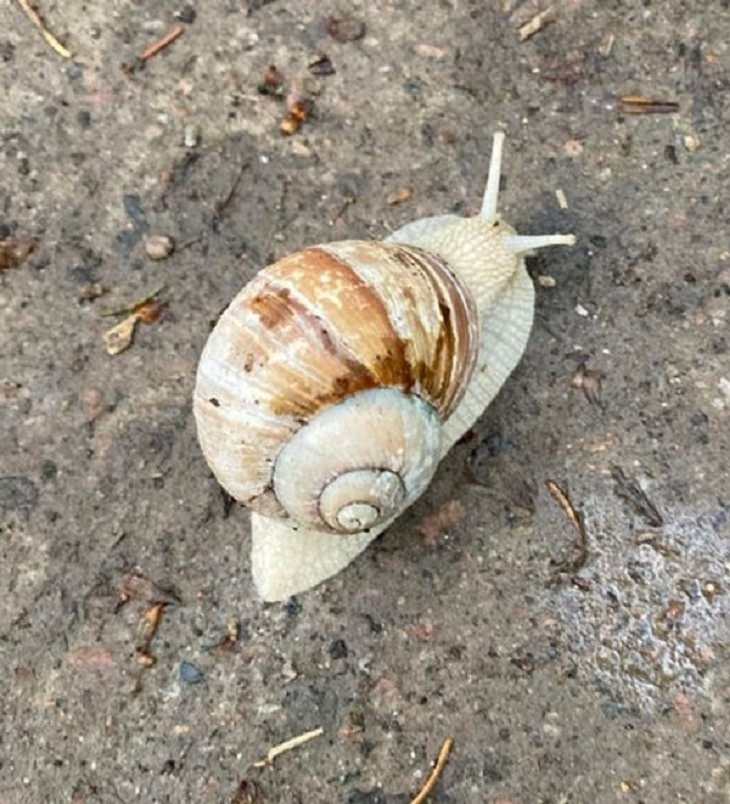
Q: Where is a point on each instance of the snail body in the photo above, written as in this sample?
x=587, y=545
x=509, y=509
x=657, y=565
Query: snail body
x=337, y=379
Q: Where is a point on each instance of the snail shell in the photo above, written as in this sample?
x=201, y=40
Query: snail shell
x=339, y=376
x=317, y=350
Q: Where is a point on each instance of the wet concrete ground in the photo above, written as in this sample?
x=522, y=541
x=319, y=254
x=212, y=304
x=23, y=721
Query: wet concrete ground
x=562, y=677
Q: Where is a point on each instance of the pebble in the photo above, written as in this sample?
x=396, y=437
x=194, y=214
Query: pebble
x=581, y=310
x=190, y=673
x=573, y=148
x=546, y=281
x=159, y=247
x=691, y=143
x=191, y=136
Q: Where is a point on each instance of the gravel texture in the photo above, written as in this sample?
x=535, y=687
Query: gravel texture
x=135, y=662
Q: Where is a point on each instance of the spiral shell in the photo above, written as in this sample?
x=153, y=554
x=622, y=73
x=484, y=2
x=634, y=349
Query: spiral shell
x=384, y=332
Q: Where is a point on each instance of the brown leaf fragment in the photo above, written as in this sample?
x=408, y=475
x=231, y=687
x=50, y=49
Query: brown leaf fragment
x=119, y=337
x=629, y=490
x=151, y=622
x=435, y=525
x=299, y=111
x=345, y=29
x=321, y=66
x=399, y=196
x=14, y=252
x=589, y=381
x=537, y=23
x=150, y=312
x=638, y=104
x=133, y=308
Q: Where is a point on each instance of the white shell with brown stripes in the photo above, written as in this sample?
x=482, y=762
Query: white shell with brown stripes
x=336, y=380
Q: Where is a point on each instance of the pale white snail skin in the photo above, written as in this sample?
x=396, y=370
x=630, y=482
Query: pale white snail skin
x=339, y=377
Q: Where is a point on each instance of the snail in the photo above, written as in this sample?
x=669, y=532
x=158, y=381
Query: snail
x=336, y=380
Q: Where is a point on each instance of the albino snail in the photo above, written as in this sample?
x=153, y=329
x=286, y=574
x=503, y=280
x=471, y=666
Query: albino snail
x=337, y=379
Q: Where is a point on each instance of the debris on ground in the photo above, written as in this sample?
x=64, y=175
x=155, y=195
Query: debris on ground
x=629, y=490
x=638, y=104
x=159, y=247
x=37, y=20
x=435, y=774
x=321, y=66
x=161, y=44
x=148, y=310
x=537, y=23
x=399, y=196
x=14, y=252
x=575, y=517
x=288, y=745
x=345, y=29
x=589, y=381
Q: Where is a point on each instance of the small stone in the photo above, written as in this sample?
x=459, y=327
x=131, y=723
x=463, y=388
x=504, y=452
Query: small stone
x=430, y=51
x=92, y=402
x=190, y=673
x=186, y=14
x=159, y=247
x=345, y=29
x=321, y=66
x=145, y=659
x=91, y=291
x=191, y=136
x=691, y=143
x=300, y=149
x=573, y=148
x=581, y=310
x=546, y=281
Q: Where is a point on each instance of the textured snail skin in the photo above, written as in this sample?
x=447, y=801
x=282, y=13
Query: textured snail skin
x=337, y=379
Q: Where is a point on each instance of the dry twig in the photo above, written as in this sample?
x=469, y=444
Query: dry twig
x=537, y=23
x=35, y=18
x=288, y=745
x=438, y=769
x=161, y=44
x=135, y=307
x=576, y=519
x=638, y=104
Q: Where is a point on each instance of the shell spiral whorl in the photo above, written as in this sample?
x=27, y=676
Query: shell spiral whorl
x=321, y=391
